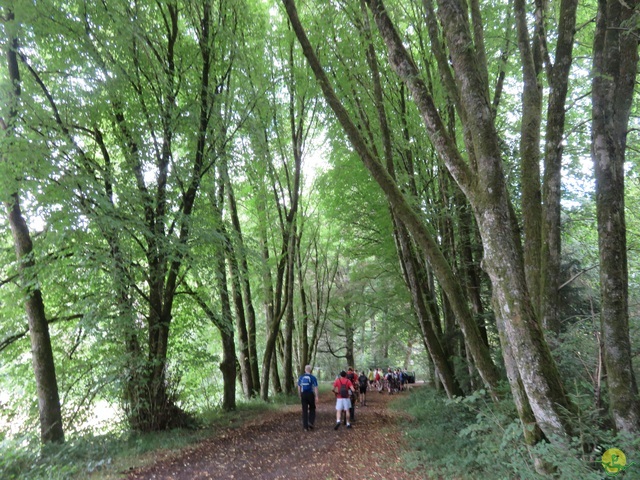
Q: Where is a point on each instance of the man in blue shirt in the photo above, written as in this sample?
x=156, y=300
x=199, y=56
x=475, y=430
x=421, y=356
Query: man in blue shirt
x=308, y=392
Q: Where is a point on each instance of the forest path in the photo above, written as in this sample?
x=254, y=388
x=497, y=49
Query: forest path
x=276, y=447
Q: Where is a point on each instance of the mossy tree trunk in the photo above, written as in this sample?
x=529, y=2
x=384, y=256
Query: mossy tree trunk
x=558, y=78
x=615, y=68
x=530, y=147
x=485, y=187
x=49, y=410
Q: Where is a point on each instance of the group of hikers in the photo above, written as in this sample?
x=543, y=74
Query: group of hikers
x=349, y=387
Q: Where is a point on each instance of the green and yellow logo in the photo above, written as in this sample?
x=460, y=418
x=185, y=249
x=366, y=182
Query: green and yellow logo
x=614, y=461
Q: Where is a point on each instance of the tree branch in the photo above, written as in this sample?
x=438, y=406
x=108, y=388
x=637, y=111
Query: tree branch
x=14, y=338
x=584, y=270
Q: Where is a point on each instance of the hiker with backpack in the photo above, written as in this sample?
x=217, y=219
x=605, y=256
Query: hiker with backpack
x=308, y=392
x=342, y=387
x=363, y=382
x=378, y=379
x=388, y=380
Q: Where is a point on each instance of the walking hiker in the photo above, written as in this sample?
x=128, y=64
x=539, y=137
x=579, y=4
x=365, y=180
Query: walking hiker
x=308, y=392
x=341, y=387
x=363, y=383
x=388, y=378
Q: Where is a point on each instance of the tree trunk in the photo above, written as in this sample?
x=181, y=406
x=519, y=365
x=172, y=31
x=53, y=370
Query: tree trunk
x=51, y=430
x=304, y=345
x=243, y=275
x=530, y=428
x=272, y=323
x=41, y=352
x=425, y=320
x=407, y=358
x=225, y=324
x=275, y=373
x=552, y=180
x=228, y=368
x=228, y=364
x=469, y=266
x=236, y=288
x=289, y=321
x=530, y=151
x=243, y=337
x=348, y=336
x=615, y=69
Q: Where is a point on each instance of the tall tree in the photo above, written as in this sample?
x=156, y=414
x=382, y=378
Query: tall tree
x=49, y=409
x=51, y=429
x=558, y=78
x=141, y=158
x=615, y=65
x=239, y=251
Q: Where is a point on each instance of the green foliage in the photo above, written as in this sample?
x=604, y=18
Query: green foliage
x=465, y=438
x=472, y=437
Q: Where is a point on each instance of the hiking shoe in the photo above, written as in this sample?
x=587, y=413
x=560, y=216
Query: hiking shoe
x=311, y=426
x=348, y=425
x=337, y=426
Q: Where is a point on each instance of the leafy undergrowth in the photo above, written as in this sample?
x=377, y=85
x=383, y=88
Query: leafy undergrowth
x=472, y=437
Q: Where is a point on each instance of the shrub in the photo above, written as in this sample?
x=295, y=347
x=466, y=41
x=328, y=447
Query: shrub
x=473, y=437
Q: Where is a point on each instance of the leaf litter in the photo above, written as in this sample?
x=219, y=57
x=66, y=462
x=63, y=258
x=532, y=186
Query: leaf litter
x=275, y=446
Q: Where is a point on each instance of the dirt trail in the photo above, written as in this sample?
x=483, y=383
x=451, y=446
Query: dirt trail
x=276, y=447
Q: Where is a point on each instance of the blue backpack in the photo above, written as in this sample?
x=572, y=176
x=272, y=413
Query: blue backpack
x=306, y=383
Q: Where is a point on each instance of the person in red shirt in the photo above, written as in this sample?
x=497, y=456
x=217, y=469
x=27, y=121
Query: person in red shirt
x=341, y=387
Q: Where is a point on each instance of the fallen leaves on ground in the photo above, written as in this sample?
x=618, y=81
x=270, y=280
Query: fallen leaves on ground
x=276, y=447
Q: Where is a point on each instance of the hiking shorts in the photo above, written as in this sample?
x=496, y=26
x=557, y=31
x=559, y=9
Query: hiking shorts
x=343, y=404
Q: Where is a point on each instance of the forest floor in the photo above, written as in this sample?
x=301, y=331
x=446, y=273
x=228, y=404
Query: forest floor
x=275, y=446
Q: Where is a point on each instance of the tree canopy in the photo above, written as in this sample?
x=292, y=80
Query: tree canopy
x=204, y=196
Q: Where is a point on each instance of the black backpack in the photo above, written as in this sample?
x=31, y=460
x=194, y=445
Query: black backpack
x=363, y=380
